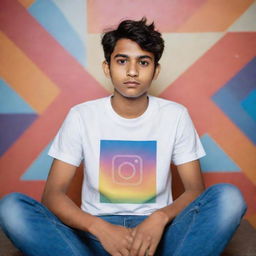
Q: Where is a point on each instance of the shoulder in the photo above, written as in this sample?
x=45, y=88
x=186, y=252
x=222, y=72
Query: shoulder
x=90, y=105
x=86, y=110
x=169, y=106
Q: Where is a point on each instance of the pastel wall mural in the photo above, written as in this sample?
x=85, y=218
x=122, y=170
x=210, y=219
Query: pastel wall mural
x=50, y=60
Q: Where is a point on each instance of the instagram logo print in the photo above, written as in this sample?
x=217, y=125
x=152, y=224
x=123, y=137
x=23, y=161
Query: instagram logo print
x=127, y=170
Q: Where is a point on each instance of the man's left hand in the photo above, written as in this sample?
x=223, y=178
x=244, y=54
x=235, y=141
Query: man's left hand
x=147, y=235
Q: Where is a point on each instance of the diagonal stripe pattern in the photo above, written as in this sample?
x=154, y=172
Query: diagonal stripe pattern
x=50, y=60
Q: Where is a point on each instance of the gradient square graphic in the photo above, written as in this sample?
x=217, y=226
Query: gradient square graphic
x=127, y=171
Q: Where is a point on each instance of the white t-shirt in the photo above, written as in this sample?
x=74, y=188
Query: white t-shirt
x=127, y=161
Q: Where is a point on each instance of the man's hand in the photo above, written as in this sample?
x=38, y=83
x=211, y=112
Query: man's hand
x=116, y=240
x=147, y=235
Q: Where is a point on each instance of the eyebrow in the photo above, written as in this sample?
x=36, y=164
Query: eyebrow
x=138, y=57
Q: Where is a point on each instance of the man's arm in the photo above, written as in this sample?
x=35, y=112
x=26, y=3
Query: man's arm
x=148, y=234
x=191, y=177
x=115, y=239
x=55, y=198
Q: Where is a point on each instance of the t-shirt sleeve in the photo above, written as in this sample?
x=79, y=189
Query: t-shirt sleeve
x=187, y=146
x=67, y=145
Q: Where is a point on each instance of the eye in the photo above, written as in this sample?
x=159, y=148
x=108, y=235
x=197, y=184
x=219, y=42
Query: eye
x=121, y=61
x=144, y=63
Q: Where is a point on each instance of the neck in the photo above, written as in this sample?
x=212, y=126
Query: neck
x=129, y=107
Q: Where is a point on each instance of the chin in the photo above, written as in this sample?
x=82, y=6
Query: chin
x=132, y=95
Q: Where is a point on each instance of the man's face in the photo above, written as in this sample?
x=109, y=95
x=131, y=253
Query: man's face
x=131, y=69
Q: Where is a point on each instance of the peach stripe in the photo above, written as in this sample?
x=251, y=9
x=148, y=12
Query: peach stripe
x=252, y=220
x=25, y=77
x=215, y=15
x=26, y=3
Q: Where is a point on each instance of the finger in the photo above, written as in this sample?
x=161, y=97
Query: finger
x=129, y=237
x=152, y=248
x=129, y=240
x=124, y=252
x=144, y=247
x=136, y=245
x=134, y=232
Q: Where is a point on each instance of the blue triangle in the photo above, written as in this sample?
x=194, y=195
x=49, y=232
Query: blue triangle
x=39, y=169
x=249, y=104
x=11, y=128
x=53, y=20
x=216, y=160
x=11, y=102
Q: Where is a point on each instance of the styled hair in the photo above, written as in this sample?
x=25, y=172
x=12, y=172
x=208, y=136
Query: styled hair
x=138, y=31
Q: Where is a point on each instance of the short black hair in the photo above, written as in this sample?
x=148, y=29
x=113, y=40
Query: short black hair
x=144, y=35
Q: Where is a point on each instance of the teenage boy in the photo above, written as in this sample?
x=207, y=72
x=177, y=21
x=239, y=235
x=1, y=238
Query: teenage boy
x=127, y=142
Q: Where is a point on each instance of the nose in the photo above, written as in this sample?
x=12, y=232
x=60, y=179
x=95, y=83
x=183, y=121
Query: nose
x=132, y=70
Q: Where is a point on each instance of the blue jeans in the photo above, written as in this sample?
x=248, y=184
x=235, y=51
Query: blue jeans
x=203, y=228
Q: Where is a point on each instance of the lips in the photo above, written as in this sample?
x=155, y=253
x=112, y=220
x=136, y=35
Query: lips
x=131, y=83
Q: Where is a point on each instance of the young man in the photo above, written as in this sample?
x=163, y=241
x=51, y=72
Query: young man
x=127, y=142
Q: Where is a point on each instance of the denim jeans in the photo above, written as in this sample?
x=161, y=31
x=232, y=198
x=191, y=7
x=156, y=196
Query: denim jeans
x=203, y=228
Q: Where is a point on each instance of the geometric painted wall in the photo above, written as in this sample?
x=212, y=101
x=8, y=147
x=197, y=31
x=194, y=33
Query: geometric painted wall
x=50, y=60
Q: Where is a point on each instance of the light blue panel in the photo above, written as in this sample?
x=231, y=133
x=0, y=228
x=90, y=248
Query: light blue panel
x=39, y=169
x=11, y=102
x=52, y=19
x=249, y=104
x=75, y=13
x=216, y=159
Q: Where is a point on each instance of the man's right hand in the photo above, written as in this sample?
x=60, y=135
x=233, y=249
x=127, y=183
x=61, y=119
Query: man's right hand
x=116, y=240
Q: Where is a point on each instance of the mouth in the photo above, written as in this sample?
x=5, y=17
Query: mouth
x=131, y=83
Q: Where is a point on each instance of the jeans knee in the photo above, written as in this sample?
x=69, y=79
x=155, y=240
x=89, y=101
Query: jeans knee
x=231, y=203
x=11, y=211
x=231, y=195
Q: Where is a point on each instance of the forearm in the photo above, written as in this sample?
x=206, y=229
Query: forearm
x=67, y=211
x=171, y=211
x=112, y=237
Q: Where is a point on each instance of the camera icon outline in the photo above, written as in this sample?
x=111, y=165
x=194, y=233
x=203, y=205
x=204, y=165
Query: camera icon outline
x=136, y=166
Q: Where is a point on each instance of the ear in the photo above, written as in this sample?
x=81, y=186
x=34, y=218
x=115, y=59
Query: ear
x=157, y=71
x=106, y=70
